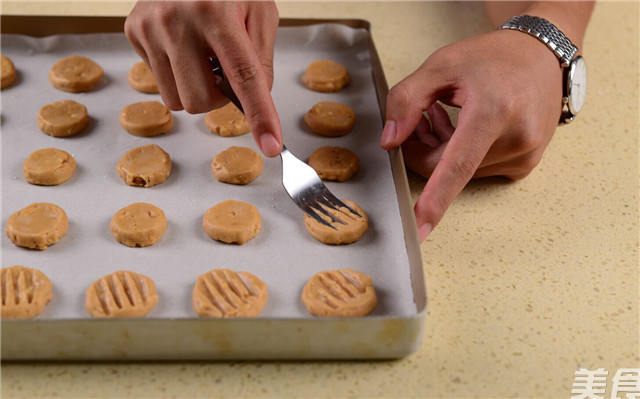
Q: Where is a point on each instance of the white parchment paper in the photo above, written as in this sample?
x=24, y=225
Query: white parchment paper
x=283, y=255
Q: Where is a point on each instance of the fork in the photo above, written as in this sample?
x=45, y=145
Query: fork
x=299, y=180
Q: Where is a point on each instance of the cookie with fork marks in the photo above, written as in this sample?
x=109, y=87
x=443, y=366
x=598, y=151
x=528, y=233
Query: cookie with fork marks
x=345, y=227
x=223, y=293
x=121, y=294
x=339, y=293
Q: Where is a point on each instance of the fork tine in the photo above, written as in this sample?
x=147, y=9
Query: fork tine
x=324, y=211
x=332, y=198
x=309, y=211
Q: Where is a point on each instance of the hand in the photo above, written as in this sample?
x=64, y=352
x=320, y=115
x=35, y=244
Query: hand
x=175, y=38
x=508, y=86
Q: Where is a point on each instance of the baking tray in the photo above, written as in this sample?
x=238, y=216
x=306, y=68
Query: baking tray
x=274, y=336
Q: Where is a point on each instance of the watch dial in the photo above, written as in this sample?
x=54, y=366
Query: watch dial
x=577, y=85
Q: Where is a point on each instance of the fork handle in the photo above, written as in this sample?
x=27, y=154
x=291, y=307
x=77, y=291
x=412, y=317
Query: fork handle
x=223, y=83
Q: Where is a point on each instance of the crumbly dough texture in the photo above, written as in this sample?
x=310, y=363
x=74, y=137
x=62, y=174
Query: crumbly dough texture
x=141, y=78
x=146, y=119
x=144, y=166
x=8, y=72
x=138, y=225
x=37, y=226
x=339, y=293
x=223, y=293
x=75, y=74
x=331, y=119
x=227, y=121
x=63, y=118
x=48, y=167
x=24, y=292
x=326, y=76
x=237, y=165
x=334, y=163
x=349, y=231
x=233, y=222
x=121, y=294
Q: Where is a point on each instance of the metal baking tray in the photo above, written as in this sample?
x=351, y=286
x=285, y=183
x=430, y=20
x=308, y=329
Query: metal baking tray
x=275, y=335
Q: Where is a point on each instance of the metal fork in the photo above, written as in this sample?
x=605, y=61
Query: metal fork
x=299, y=180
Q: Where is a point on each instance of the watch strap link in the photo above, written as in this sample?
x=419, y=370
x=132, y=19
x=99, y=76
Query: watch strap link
x=547, y=33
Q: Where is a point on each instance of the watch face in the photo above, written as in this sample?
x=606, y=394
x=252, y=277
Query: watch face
x=577, y=85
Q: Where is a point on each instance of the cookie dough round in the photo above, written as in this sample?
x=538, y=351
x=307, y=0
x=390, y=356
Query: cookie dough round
x=334, y=163
x=144, y=166
x=339, y=293
x=146, y=119
x=48, y=167
x=75, y=74
x=138, y=225
x=331, y=119
x=8, y=72
x=349, y=231
x=37, y=226
x=63, y=118
x=326, y=76
x=24, y=292
x=121, y=294
x=233, y=222
x=237, y=165
x=227, y=121
x=141, y=78
x=223, y=293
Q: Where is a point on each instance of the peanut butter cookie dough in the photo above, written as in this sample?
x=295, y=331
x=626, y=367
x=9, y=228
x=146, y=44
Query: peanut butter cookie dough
x=121, y=294
x=141, y=78
x=334, y=163
x=331, y=119
x=75, y=74
x=326, y=76
x=227, y=121
x=37, y=226
x=348, y=229
x=138, y=225
x=233, y=222
x=339, y=293
x=48, y=167
x=237, y=165
x=24, y=292
x=224, y=293
x=144, y=166
x=146, y=119
x=63, y=118
x=8, y=72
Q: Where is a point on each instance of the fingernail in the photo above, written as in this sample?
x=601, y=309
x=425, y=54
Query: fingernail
x=423, y=231
x=388, y=133
x=269, y=145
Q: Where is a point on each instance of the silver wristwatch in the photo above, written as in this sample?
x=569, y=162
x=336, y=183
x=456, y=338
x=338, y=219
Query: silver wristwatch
x=574, y=88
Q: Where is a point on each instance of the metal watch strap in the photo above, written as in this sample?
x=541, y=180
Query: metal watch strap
x=547, y=33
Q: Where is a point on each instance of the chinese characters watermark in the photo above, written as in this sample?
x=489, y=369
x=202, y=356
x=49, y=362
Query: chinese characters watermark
x=592, y=384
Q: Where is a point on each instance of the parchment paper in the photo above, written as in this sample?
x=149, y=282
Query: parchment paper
x=283, y=254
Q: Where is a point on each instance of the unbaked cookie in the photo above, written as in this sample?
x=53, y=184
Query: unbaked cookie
x=138, y=225
x=227, y=121
x=146, y=119
x=141, y=78
x=325, y=76
x=233, y=222
x=37, y=226
x=334, y=163
x=24, y=292
x=347, y=230
x=144, y=166
x=224, y=293
x=63, y=118
x=331, y=119
x=48, y=167
x=237, y=165
x=339, y=293
x=121, y=294
x=75, y=74
x=8, y=72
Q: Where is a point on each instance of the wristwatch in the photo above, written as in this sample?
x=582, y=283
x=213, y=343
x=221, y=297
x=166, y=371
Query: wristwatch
x=574, y=80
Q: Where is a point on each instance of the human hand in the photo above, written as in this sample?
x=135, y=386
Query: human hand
x=175, y=38
x=508, y=87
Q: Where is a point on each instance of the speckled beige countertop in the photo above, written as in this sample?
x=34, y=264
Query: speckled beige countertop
x=527, y=281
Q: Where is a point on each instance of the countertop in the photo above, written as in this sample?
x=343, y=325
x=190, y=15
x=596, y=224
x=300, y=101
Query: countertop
x=527, y=281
